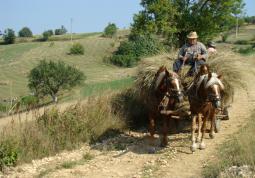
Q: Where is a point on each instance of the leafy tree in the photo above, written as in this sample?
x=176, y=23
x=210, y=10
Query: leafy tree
x=47, y=34
x=25, y=32
x=60, y=31
x=51, y=32
x=110, y=30
x=175, y=19
x=48, y=78
x=9, y=36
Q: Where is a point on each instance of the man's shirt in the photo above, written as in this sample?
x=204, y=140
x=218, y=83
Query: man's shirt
x=191, y=50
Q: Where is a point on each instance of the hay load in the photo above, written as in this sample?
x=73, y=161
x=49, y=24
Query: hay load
x=223, y=64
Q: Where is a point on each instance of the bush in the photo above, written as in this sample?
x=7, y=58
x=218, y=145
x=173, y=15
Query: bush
x=55, y=131
x=60, y=31
x=247, y=50
x=25, y=32
x=130, y=52
x=110, y=30
x=9, y=36
x=123, y=60
x=242, y=42
x=76, y=49
x=48, y=78
x=8, y=154
x=46, y=35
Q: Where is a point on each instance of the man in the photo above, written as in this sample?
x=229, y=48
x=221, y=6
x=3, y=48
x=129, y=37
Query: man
x=194, y=54
x=211, y=48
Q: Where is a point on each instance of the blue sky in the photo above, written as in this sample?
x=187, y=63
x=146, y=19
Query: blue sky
x=88, y=15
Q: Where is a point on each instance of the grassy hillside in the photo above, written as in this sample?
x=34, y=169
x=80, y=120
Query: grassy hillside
x=18, y=59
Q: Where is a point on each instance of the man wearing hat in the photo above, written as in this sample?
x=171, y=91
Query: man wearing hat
x=193, y=53
x=211, y=48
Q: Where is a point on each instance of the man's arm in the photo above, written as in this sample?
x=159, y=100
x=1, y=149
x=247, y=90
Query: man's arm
x=204, y=54
x=181, y=54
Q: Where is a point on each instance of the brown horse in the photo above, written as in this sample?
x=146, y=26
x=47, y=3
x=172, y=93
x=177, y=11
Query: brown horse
x=205, y=101
x=167, y=93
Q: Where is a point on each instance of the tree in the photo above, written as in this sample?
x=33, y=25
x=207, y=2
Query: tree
x=110, y=30
x=9, y=36
x=47, y=34
x=60, y=31
x=48, y=78
x=175, y=19
x=25, y=32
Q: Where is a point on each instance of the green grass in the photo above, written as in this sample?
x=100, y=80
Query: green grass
x=238, y=151
x=11, y=53
x=94, y=89
x=18, y=59
x=246, y=33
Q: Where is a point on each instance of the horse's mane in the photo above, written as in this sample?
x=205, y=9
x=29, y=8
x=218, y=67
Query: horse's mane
x=161, y=74
x=209, y=80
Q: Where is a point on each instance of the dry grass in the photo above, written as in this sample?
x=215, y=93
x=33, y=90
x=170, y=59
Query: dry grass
x=55, y=131
x=238, y=151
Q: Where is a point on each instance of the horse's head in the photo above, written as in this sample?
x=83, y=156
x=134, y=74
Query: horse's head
x=168, y=83
x=214, y=88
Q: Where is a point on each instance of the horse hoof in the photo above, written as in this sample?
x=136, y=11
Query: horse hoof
x=193, y=147
x=211, y=135
x=163, y=144
x=202, y=146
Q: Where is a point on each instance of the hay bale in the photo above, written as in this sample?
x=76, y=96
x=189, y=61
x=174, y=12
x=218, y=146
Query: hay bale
x=222, y=64
x=147, y=69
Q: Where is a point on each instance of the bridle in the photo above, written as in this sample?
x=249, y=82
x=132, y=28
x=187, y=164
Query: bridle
x=171, y=93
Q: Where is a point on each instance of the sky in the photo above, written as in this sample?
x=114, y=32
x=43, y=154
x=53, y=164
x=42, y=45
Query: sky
x=87, y=15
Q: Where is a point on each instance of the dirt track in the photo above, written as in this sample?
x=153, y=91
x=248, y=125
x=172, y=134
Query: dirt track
x=136, y=161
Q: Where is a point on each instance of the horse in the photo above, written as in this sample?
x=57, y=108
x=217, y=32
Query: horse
x=167, y=93
x=205, y=101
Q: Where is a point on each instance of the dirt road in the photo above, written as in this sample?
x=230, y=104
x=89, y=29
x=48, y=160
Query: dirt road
x=132, y=155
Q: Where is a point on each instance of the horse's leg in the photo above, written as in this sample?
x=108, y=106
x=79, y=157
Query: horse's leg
x=199, y=131
x=202, y=143
x=151, y=125
x=212, y=119
x=193, y=130
x=164, y=131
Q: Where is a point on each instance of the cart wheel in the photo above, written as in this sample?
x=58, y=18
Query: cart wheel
x=217, y=125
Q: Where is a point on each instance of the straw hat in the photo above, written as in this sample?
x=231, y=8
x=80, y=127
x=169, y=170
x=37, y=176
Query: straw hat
x=192, y=35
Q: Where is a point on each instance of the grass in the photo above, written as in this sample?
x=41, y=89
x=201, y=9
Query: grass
x=95, y=89
x=68, y=164
x=55, y=131
x=18, y=59
x=238, y=151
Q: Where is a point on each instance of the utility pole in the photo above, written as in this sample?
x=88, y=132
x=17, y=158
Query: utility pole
x=236, y=26
x=72, y=30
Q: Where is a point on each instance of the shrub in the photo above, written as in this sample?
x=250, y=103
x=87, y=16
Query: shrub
x=110, y=30
x=48, y=78
x=247, y=50
x=8, y=154
x=25, y=32
x=60, y=31
x=55, y=131
x=77, y=49
x=242, y=42
x=129, y=52
x=46, y=35
x=9, y=36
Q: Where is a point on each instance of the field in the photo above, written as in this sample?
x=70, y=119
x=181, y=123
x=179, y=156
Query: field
x=18, y=59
